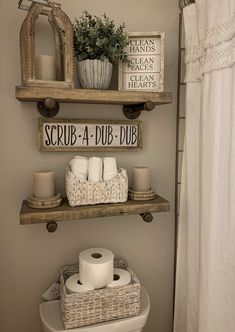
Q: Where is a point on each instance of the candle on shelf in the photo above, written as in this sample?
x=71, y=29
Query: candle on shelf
x=43, y=184
x=45, y=68
x=141, y=179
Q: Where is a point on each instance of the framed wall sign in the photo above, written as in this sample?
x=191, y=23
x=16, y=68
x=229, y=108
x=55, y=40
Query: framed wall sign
x=89, y=135
x=146, y=69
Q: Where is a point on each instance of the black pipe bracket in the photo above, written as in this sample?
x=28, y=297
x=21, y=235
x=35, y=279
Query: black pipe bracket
x=48, y=107
x=133, y=111
x=51, y=226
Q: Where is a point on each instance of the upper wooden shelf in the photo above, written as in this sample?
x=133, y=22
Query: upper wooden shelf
x=92, y=96
x=64, y=212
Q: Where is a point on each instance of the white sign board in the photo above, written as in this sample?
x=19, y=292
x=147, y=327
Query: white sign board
x=88, y=135
x=146, y=69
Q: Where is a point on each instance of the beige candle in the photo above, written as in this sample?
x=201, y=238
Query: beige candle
x=45, y=68
x=141, y=179
x=43, y=184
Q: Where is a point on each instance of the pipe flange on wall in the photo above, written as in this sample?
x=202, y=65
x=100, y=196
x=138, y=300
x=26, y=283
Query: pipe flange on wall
x=51, y=226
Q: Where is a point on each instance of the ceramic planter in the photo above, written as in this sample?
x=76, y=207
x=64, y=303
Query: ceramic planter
x=94, y=74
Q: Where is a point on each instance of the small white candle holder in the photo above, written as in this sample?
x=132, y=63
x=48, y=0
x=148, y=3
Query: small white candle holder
x=141, y=189
x=44, y=195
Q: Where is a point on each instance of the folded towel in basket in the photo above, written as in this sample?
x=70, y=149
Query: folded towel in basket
x=110, y=168
x=79, y=167
x=95, y=169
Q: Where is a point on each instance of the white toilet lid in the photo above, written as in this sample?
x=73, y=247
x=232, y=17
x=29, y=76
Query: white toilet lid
x=51, y=318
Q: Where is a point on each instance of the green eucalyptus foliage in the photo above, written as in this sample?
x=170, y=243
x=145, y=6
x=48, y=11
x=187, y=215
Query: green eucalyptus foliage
x=97, y=38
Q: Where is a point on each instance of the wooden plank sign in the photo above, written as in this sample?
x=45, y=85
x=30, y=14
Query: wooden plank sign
x=146, y=70
x=88, y=135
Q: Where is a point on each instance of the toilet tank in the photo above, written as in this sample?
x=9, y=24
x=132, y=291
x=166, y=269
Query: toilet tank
x=51, y=319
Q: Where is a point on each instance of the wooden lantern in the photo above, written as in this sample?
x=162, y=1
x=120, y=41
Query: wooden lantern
x=64, y=61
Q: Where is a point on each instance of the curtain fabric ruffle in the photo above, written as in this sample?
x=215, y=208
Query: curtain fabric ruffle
x=215, y=52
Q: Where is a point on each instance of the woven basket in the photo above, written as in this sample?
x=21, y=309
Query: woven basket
x=100, y=305
x=81, y=192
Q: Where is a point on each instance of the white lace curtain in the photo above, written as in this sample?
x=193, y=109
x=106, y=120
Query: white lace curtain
x=205, y=283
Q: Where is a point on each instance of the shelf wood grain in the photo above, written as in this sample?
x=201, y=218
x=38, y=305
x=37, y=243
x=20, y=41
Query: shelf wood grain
x=66, y=213
x=32, y=94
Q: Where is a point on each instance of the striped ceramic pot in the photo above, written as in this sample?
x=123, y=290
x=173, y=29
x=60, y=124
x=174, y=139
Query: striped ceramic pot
x=94, y=74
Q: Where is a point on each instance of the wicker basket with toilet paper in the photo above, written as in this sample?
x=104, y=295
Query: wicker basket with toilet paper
x=95, y=180
x=98, y=289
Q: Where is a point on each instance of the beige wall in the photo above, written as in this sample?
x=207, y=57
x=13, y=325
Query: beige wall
x=30, y=256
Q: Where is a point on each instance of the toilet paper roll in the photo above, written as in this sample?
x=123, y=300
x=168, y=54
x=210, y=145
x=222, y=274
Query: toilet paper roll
x=120, y=278
x=96, y=267
x=73, y=285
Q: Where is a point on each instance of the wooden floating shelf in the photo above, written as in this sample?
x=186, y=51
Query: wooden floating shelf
x=34, y=94
x=66, y=213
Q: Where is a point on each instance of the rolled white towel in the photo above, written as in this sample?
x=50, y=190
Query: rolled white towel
x=95, y=169
x=110, y=168
x=79, y=167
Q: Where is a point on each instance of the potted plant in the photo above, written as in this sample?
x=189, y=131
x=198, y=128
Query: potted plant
x=98, y=45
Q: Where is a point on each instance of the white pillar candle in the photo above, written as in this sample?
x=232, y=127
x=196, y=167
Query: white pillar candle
x=43, y=184
x=141, y=179
x=45, y=68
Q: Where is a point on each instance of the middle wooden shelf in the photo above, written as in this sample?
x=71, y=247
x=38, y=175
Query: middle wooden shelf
x=66, y=213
